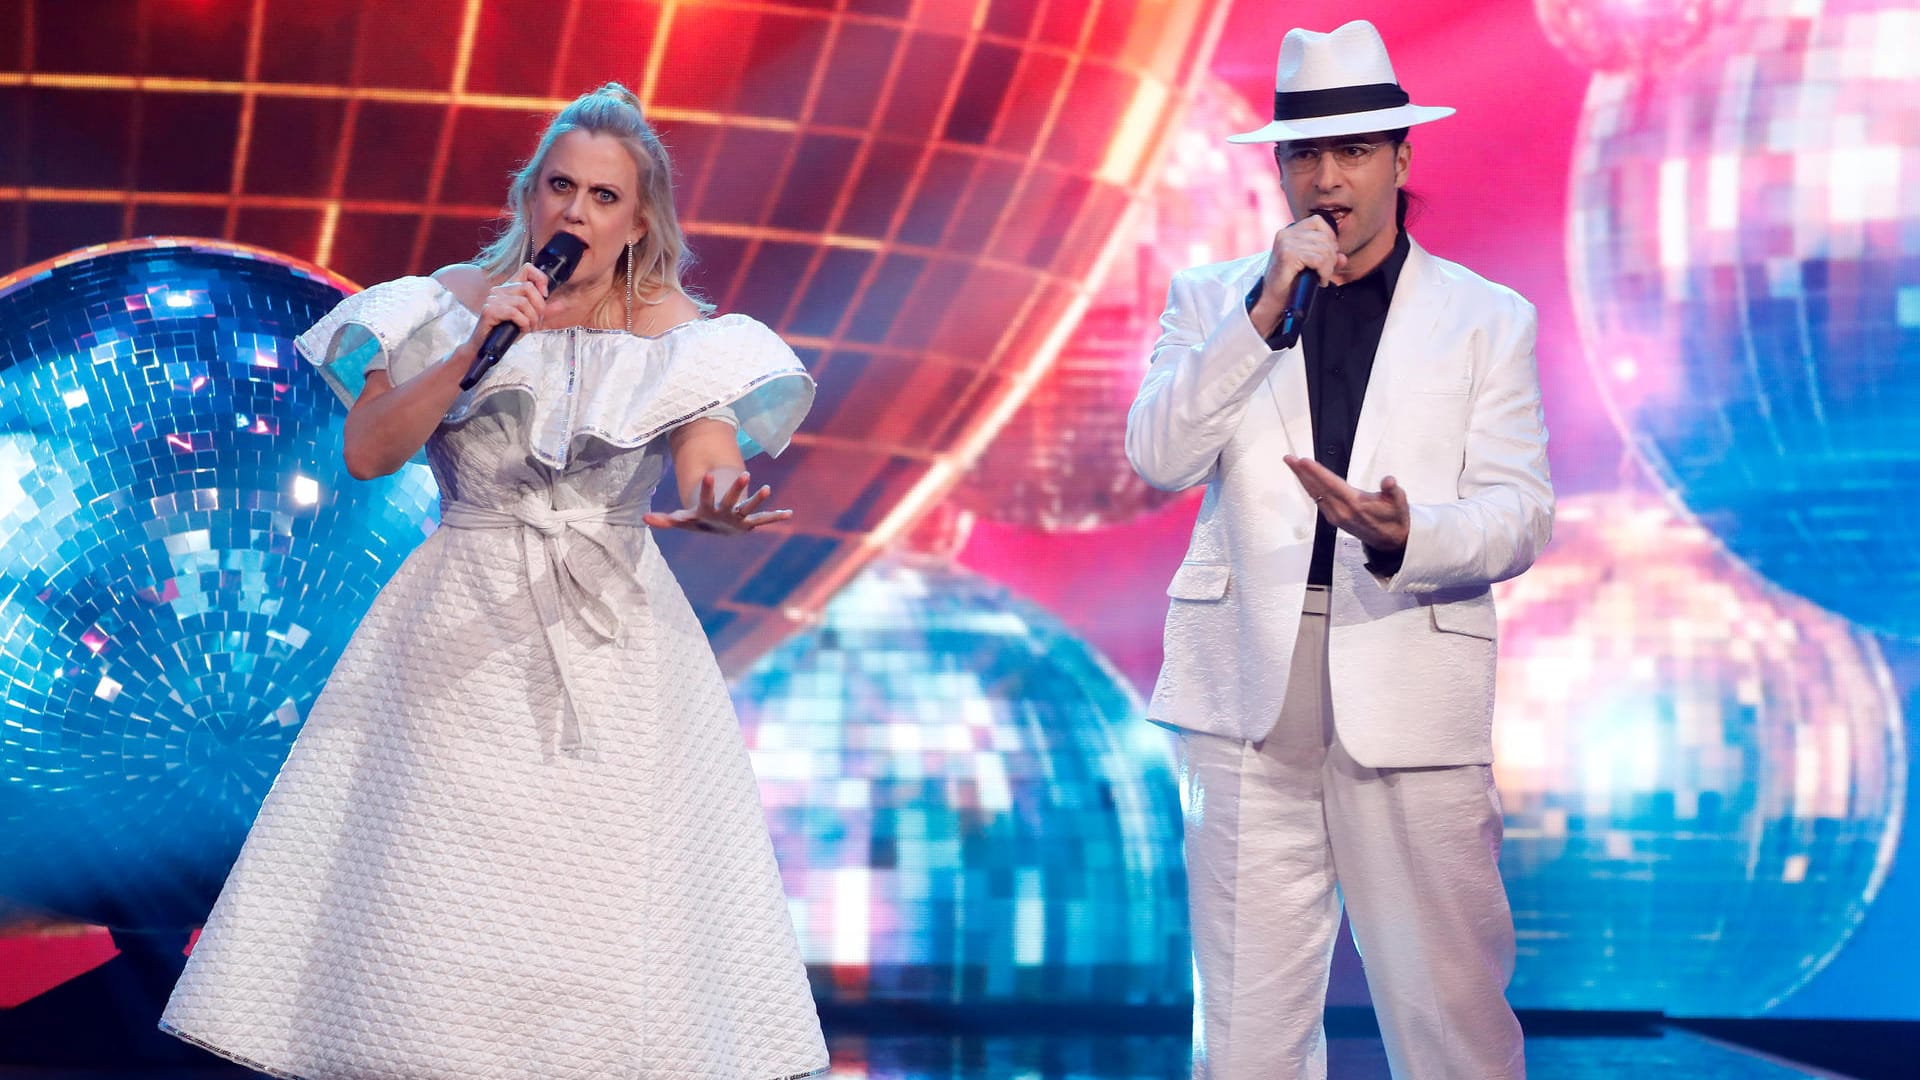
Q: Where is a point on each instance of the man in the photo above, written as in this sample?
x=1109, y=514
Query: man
x=1330, y=638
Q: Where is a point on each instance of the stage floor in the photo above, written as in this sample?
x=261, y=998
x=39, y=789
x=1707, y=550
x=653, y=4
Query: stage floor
x=1666, y=1053
x=1084, y=1057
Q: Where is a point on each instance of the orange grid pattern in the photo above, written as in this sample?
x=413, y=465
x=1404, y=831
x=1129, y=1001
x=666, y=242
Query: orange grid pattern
x=916, y=193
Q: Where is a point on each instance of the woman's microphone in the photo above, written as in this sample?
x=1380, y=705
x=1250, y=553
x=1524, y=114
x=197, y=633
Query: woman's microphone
x=557, y=261
x=1300, y=298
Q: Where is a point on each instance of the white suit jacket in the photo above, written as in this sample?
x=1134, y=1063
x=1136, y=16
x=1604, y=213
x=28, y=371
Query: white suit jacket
x=1452, y=412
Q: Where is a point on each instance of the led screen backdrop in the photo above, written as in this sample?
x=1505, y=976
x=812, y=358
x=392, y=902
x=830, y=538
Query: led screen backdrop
x=964, y=215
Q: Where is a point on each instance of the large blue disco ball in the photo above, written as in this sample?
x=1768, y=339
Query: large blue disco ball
x=1704, y=776
x=182, y=558
x=967, y=808
x=1745, y=251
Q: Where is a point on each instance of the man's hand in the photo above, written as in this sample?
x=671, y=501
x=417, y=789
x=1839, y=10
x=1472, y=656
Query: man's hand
x=1307, y=246
x=1378, y=518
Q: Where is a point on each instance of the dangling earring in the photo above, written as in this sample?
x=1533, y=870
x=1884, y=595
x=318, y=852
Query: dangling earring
x=529, y=247
x=630, y=257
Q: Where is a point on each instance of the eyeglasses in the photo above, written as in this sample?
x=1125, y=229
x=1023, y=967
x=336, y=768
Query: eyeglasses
x=1301, y=160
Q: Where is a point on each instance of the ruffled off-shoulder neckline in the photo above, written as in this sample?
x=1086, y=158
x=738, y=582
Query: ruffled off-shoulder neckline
x=577, y=382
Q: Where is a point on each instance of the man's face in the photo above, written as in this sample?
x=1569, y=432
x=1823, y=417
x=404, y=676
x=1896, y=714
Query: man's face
x=1358, y=178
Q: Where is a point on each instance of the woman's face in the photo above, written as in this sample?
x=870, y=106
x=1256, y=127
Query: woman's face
x=589, y=187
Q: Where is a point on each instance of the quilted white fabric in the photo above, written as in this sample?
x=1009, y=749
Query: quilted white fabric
x=578, y=384
x=518, y=836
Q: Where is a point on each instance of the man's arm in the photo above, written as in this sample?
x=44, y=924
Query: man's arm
x=1197, y=390
x=1504, y=515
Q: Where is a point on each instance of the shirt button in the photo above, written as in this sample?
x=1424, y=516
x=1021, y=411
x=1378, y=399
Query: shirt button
x=1336, y=371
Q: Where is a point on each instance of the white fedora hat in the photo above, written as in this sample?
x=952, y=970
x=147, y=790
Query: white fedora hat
x=1339, y=83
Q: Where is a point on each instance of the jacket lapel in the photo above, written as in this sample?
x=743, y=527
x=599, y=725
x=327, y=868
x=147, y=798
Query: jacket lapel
x=1418, y=299
x=1288, y=385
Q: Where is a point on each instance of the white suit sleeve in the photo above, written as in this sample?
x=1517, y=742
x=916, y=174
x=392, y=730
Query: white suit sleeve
x=1196, y=391
x=1504, y=515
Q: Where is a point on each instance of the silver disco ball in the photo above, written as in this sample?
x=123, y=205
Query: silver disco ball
x=1745, y=256
x=182, y=559
x=1704, y=777
x=967, y=807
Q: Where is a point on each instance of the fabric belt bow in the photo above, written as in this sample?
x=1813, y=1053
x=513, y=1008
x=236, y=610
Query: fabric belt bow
x=556, y=579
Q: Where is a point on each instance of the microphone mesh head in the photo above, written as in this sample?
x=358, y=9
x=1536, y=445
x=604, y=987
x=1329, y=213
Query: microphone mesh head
x=559, y=257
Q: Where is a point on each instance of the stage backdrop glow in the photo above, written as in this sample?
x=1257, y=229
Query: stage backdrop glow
x=917, y=196
x=1640, y=35
x=1060, y=463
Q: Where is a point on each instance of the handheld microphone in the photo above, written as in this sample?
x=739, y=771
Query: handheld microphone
x=1300, y=297
x=557, y=261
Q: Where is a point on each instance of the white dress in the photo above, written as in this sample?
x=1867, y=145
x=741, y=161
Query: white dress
x=518, y=835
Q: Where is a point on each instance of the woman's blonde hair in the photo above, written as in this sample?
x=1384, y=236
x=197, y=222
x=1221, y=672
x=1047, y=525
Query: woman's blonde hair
x=662, y=256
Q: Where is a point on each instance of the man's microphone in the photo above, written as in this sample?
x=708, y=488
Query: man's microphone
x=1300, y=298
x=557, y=261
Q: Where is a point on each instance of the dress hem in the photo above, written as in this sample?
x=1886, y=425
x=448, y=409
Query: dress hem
x=237, y=1059
x=282, y=1074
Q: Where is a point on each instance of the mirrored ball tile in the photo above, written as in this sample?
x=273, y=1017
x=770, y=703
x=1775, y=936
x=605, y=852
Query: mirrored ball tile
x=182, y=559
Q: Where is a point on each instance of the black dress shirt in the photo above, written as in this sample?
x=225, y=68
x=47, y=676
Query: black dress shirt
x=1340, y=337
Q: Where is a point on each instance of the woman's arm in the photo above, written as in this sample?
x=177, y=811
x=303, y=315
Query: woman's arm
x=713, y=481
x=388, y=424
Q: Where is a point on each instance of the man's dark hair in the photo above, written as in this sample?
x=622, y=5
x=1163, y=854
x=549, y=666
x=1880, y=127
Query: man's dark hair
x=1408, y=204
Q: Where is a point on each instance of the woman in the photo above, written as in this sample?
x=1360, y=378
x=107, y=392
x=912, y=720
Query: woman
x=518, y=835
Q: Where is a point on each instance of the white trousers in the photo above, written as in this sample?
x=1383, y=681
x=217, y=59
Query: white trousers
x=1278, y=834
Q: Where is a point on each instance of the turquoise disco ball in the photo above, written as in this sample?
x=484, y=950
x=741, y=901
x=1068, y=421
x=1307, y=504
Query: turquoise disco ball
x=182, y=559
x=1704, y=777
x=1745, y=253
x=967, y=807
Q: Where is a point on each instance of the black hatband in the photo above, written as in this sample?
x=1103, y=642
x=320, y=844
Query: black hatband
x=1340, y=100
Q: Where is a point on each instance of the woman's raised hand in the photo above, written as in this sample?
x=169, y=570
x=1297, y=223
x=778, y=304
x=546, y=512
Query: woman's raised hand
x=729, y=512
x=521, y=300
